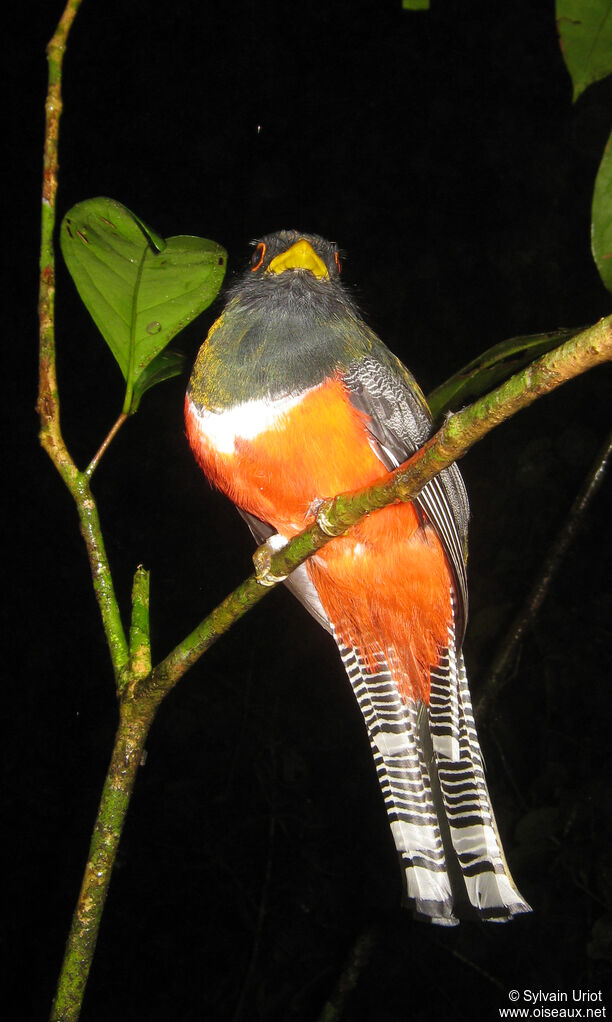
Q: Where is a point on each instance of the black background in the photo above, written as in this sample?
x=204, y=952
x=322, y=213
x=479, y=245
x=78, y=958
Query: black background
x=442, y=152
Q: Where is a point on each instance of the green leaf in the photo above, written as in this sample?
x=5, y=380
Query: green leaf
x=585, y=35
x=163, y=367
x=491, y=368
x=601, y=217
x=139, y=289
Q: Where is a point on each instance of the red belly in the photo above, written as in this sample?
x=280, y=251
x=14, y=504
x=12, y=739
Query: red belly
x=385, y=586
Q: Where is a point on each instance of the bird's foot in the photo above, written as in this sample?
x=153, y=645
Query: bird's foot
x=321, y=508
x=262, y=559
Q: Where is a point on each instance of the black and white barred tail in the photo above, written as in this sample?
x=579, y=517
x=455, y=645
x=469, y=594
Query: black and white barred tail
x=431, y=774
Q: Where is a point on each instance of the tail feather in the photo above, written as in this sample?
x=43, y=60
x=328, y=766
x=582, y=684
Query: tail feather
x=488, y=879
x=474, y=835
x=436, y=794
x=406, y=788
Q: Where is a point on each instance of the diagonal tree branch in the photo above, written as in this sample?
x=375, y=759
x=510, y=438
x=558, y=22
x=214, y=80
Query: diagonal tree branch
x=460, y=432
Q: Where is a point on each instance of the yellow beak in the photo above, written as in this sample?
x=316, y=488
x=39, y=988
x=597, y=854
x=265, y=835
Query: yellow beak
x=300, y=256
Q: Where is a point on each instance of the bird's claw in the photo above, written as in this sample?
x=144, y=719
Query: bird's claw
x=323, y=521
x=262, y=560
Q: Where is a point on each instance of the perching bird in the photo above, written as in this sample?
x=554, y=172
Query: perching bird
x=292, y=400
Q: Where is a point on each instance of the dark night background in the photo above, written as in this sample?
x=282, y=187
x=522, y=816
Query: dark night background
x=442, y=152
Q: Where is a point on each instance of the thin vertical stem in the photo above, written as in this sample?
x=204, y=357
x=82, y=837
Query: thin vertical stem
x=48, y=399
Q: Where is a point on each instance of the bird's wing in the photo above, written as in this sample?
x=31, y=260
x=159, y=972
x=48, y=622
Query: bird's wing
x=399, y=423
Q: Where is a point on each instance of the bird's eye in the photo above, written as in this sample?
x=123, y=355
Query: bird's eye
x=258, y=256
x=338, y=263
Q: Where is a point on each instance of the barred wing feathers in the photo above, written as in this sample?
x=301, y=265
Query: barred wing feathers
x=399, y=423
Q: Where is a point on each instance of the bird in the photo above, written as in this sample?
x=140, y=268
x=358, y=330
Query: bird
x=292, y=400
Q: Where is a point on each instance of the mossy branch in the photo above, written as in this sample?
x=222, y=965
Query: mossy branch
x=459, y=432
x=140, y=637
x=114, y=803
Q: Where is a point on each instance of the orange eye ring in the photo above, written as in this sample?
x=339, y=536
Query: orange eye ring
x=337, y=261
x=258, y=256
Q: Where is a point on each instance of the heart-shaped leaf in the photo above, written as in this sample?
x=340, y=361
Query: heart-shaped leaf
x=601, y=217
x=139, y=289
x=585, y=34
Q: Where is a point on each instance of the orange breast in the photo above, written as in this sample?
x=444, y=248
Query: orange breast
x=386, y=586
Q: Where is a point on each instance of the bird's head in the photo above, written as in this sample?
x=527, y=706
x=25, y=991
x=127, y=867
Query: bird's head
x=292, y=251
x=289, y=323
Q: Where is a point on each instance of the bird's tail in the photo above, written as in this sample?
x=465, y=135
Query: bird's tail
x=430, y=770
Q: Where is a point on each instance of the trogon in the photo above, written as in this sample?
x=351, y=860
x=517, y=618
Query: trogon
x=294, y=399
